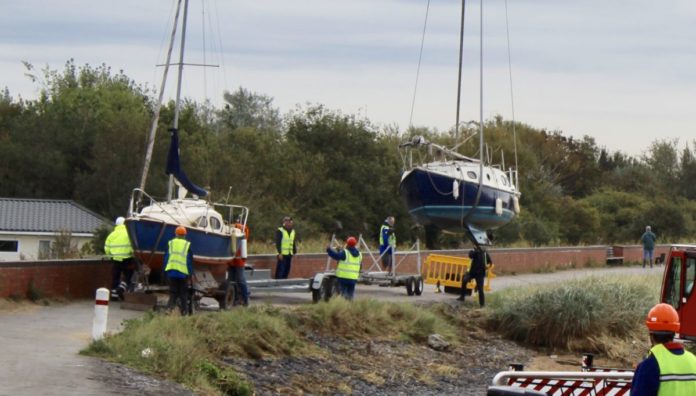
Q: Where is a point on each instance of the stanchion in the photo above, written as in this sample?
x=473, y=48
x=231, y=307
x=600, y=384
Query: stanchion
x=101, y=312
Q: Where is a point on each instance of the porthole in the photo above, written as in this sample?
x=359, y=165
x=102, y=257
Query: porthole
x=471, y=174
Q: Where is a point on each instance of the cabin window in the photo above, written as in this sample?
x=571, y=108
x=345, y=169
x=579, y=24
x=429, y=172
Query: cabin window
x=504, y=180
x=690, y=275
x=488, y=176
x=673, y=283
x=9, y=246
x=215, y=223
x=471, y=174
x=201, y=222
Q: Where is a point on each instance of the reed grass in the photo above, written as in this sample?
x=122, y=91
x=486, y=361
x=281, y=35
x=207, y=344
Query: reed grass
x=582, y=315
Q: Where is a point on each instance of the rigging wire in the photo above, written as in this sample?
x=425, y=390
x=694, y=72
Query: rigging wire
x=459, y=78
x=512, y=97
x=420, y=57
x=222, y=56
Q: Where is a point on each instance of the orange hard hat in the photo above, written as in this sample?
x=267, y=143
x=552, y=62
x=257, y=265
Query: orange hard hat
x=663, y=318
x=351, y=241
x=180, y=230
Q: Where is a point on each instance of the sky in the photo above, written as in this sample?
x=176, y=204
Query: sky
x=620, y=71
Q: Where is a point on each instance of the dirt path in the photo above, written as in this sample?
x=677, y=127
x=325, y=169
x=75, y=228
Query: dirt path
x=40, y=344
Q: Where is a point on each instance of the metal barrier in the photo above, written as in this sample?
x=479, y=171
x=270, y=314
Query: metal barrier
x=449, y=271
x=575, y=383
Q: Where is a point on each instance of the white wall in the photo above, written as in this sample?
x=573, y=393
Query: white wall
x=28, y=248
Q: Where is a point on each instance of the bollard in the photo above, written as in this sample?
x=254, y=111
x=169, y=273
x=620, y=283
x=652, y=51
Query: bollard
x=101, y=312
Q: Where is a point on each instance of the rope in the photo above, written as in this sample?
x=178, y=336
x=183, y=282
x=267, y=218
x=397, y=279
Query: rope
x=420, y=57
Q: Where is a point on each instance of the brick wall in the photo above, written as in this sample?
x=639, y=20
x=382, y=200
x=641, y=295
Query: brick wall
x=80, y=278
x=60, y=278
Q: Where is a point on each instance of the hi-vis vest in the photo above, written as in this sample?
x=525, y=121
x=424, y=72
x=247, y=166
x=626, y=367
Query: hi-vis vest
x=178, y=252
x=677, y=372
x=287, y=242
x=117, y=244
x=392, y=237
x=350, y=267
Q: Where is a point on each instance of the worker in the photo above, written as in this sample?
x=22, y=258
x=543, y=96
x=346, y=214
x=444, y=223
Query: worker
x=648, y=240
x=117, y=246
x=235, y=271
x=668, y=369
x=348, y=268
x=387, y=243
x=179, y=268
x=480, y=260
x=285, y=247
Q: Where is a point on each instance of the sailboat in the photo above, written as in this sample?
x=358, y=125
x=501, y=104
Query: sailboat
x=151, y=224
x=454, y=192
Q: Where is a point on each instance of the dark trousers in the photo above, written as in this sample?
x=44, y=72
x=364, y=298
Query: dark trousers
x=346, y=288
x=387, y=260
x=479, y=286
x=236, y=275
x=125, y=267
x=283, y=267
x=178, y=294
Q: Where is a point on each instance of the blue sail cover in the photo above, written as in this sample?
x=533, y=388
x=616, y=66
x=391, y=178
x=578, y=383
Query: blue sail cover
x=174, y=167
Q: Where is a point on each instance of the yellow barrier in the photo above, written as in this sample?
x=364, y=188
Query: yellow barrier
x=444, y=270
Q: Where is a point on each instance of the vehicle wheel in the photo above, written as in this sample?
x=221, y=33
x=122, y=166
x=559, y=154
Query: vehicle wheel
x=410, y=285
x=229, y=298
x=325, y=290
x=419, y=286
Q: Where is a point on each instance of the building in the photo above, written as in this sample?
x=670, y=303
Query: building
x=29, y=228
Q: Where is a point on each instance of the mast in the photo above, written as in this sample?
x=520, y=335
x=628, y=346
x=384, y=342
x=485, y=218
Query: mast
x=459, y=76
x=158, y=107
x=170, y=186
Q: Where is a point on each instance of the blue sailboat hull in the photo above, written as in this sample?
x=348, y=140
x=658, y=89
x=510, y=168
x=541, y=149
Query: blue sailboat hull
x=150, y=238
x=431, y=201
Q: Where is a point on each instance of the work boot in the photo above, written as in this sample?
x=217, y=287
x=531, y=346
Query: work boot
x=461, y=298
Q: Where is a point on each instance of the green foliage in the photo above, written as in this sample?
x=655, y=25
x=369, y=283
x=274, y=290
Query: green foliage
x=323, y=167
x=63, y=246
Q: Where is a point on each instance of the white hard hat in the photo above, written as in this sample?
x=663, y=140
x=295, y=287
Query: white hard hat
x=120, y=220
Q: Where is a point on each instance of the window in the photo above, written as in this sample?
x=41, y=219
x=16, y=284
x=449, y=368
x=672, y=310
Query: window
x=673, y=283
x=504, y=180
x=690, y=275
x=215, y=223
x=9, y=246
x=488, y=176
x=471, y=174
x=44, y=250
x=201, y=222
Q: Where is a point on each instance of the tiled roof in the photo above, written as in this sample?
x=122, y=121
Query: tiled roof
x=47, y=215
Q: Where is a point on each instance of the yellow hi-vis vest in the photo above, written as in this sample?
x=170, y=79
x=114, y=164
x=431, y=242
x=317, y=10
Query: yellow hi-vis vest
x=178, y=252
x=392, y=237
x=677, y=372
x=287, y=242
x=117, y=244
x=350, y=267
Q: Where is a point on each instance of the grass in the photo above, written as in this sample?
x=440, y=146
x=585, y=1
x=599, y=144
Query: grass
x=190, y=350
x=589, y=315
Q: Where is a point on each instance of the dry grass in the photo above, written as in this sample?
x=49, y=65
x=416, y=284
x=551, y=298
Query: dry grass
x=590, y=315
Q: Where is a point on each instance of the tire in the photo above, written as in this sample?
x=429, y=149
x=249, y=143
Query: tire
x=325, y=290
x=419, y=286
x=410, y=286
x=229, y=297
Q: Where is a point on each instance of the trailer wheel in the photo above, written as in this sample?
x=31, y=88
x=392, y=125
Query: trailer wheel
x=229, y=298
x=410, y=285
x=419, y=286
x=325, y=290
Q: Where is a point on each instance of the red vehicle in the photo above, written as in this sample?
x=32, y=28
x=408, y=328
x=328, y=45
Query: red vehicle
x=678, y=287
